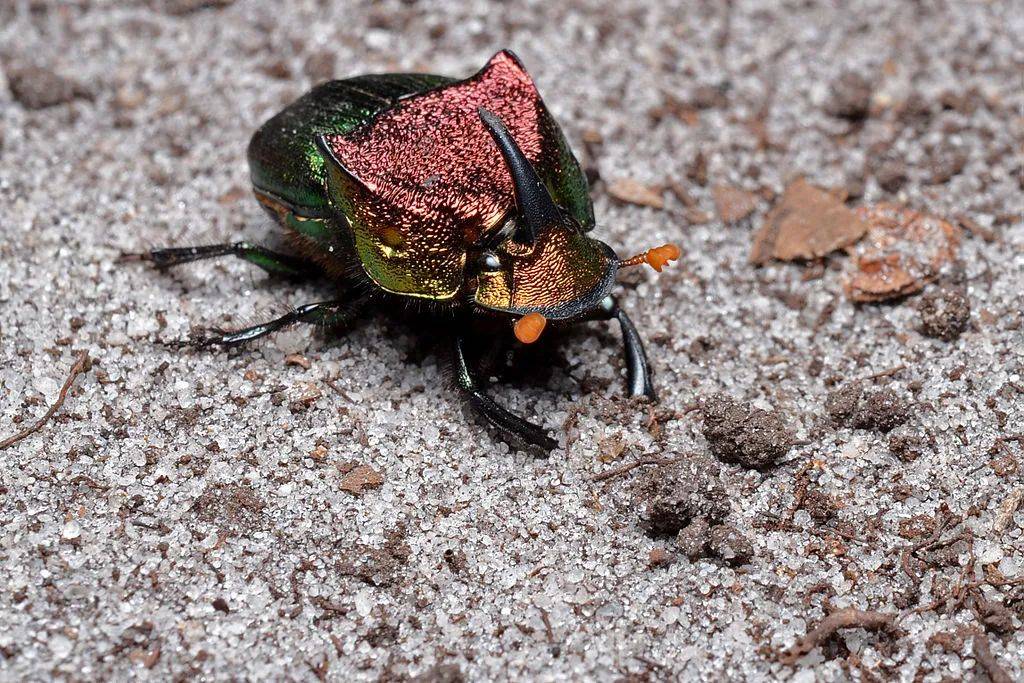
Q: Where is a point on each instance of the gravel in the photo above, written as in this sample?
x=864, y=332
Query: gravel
x=183, y=516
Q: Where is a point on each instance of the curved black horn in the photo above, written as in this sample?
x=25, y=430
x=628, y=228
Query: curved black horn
x=536, y=207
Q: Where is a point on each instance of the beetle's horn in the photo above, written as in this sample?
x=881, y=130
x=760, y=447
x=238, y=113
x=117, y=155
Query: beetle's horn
x=536, y=208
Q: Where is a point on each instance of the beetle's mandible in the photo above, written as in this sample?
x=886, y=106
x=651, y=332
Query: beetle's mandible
x=460, y=194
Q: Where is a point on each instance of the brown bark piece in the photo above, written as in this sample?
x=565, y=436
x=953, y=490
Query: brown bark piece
x=361, y=477
x=732, y=203
x=903, y=251
x=807, y=223
x=634, y=192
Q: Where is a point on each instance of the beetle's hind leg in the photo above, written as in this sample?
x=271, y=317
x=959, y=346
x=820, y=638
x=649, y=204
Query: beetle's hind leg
x=499, y=417
x=330, y=314
x=273, y=262
x=638, y=370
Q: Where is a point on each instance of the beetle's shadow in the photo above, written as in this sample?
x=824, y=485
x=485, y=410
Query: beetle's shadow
x=492, y=348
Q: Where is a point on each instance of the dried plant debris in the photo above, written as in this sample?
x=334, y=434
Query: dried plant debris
x=738, y=433
x=880, y=410
x=356, y=477
x=732, y=203
x=944, y=313
x=807, y=223
x=672, y=496
x=902, y=252
x=183, y=7
x=634, y=192
x=849, y=617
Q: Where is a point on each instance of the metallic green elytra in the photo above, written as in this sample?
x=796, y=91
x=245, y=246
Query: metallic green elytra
x=461, y=194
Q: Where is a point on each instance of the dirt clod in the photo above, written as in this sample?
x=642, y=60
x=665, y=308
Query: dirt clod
x=882, y=411
x=692, y=540
x=907, y=447
x=852, y=406
x=320, y=65
x=441, y=673
x=850, y=97
x=944, y=313
x=737, y=433
x=658, y=557
x=673, y=496
x=946, y=162
x=820, y=506
x=37, y=87
x=891, y=175
x=996, y=617
x=729, y=545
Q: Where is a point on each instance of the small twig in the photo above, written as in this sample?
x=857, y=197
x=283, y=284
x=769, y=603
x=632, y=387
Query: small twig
x=78, y=368
x=988, y=661
x=850, y=617
x=334, y=388
x=927, y=544
x=628, y=467
x=887, y=373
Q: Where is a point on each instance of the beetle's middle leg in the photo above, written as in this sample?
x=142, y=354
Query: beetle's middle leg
x=499, y=417
x=326, y=313
x=272, y=262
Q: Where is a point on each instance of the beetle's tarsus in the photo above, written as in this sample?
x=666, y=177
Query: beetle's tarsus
x=503, y=420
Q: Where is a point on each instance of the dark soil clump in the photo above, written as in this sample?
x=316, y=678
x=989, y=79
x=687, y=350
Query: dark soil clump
x=672, y=496
x=851, y=406
x=945, y=313
x=750, y=437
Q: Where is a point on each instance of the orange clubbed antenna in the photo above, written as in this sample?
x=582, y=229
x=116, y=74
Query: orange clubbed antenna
x=529, y=327
x=656, y=258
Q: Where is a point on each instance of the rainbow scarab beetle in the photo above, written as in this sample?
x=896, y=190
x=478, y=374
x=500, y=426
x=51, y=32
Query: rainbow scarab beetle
x=461, y=194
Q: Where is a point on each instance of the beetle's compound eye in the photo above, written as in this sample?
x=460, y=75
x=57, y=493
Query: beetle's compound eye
x=488, y=262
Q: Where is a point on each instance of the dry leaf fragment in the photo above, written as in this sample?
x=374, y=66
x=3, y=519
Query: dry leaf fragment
x=807, y=223
x=297, y=359
x=902, y=252
x=634, y=192
x=360, y=477
x=1006, y=510
x=732, y=203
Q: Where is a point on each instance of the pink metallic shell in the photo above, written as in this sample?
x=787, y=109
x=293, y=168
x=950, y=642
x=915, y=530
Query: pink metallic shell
x=424, y=180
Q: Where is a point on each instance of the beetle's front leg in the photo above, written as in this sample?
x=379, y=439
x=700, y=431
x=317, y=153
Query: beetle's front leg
x=638, y=370
x=499, y=417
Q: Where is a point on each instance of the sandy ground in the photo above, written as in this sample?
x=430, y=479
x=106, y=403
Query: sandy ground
x=184, y=513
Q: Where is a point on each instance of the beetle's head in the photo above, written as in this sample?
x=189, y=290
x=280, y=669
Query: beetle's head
x=542, y=265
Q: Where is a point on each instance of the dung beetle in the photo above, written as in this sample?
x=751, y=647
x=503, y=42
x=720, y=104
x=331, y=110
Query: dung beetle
x=461, y=195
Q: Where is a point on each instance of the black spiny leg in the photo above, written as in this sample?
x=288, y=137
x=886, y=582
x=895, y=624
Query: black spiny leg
x=327, y=313
x=273, y=262
x=638, y=371
x=499, y=417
